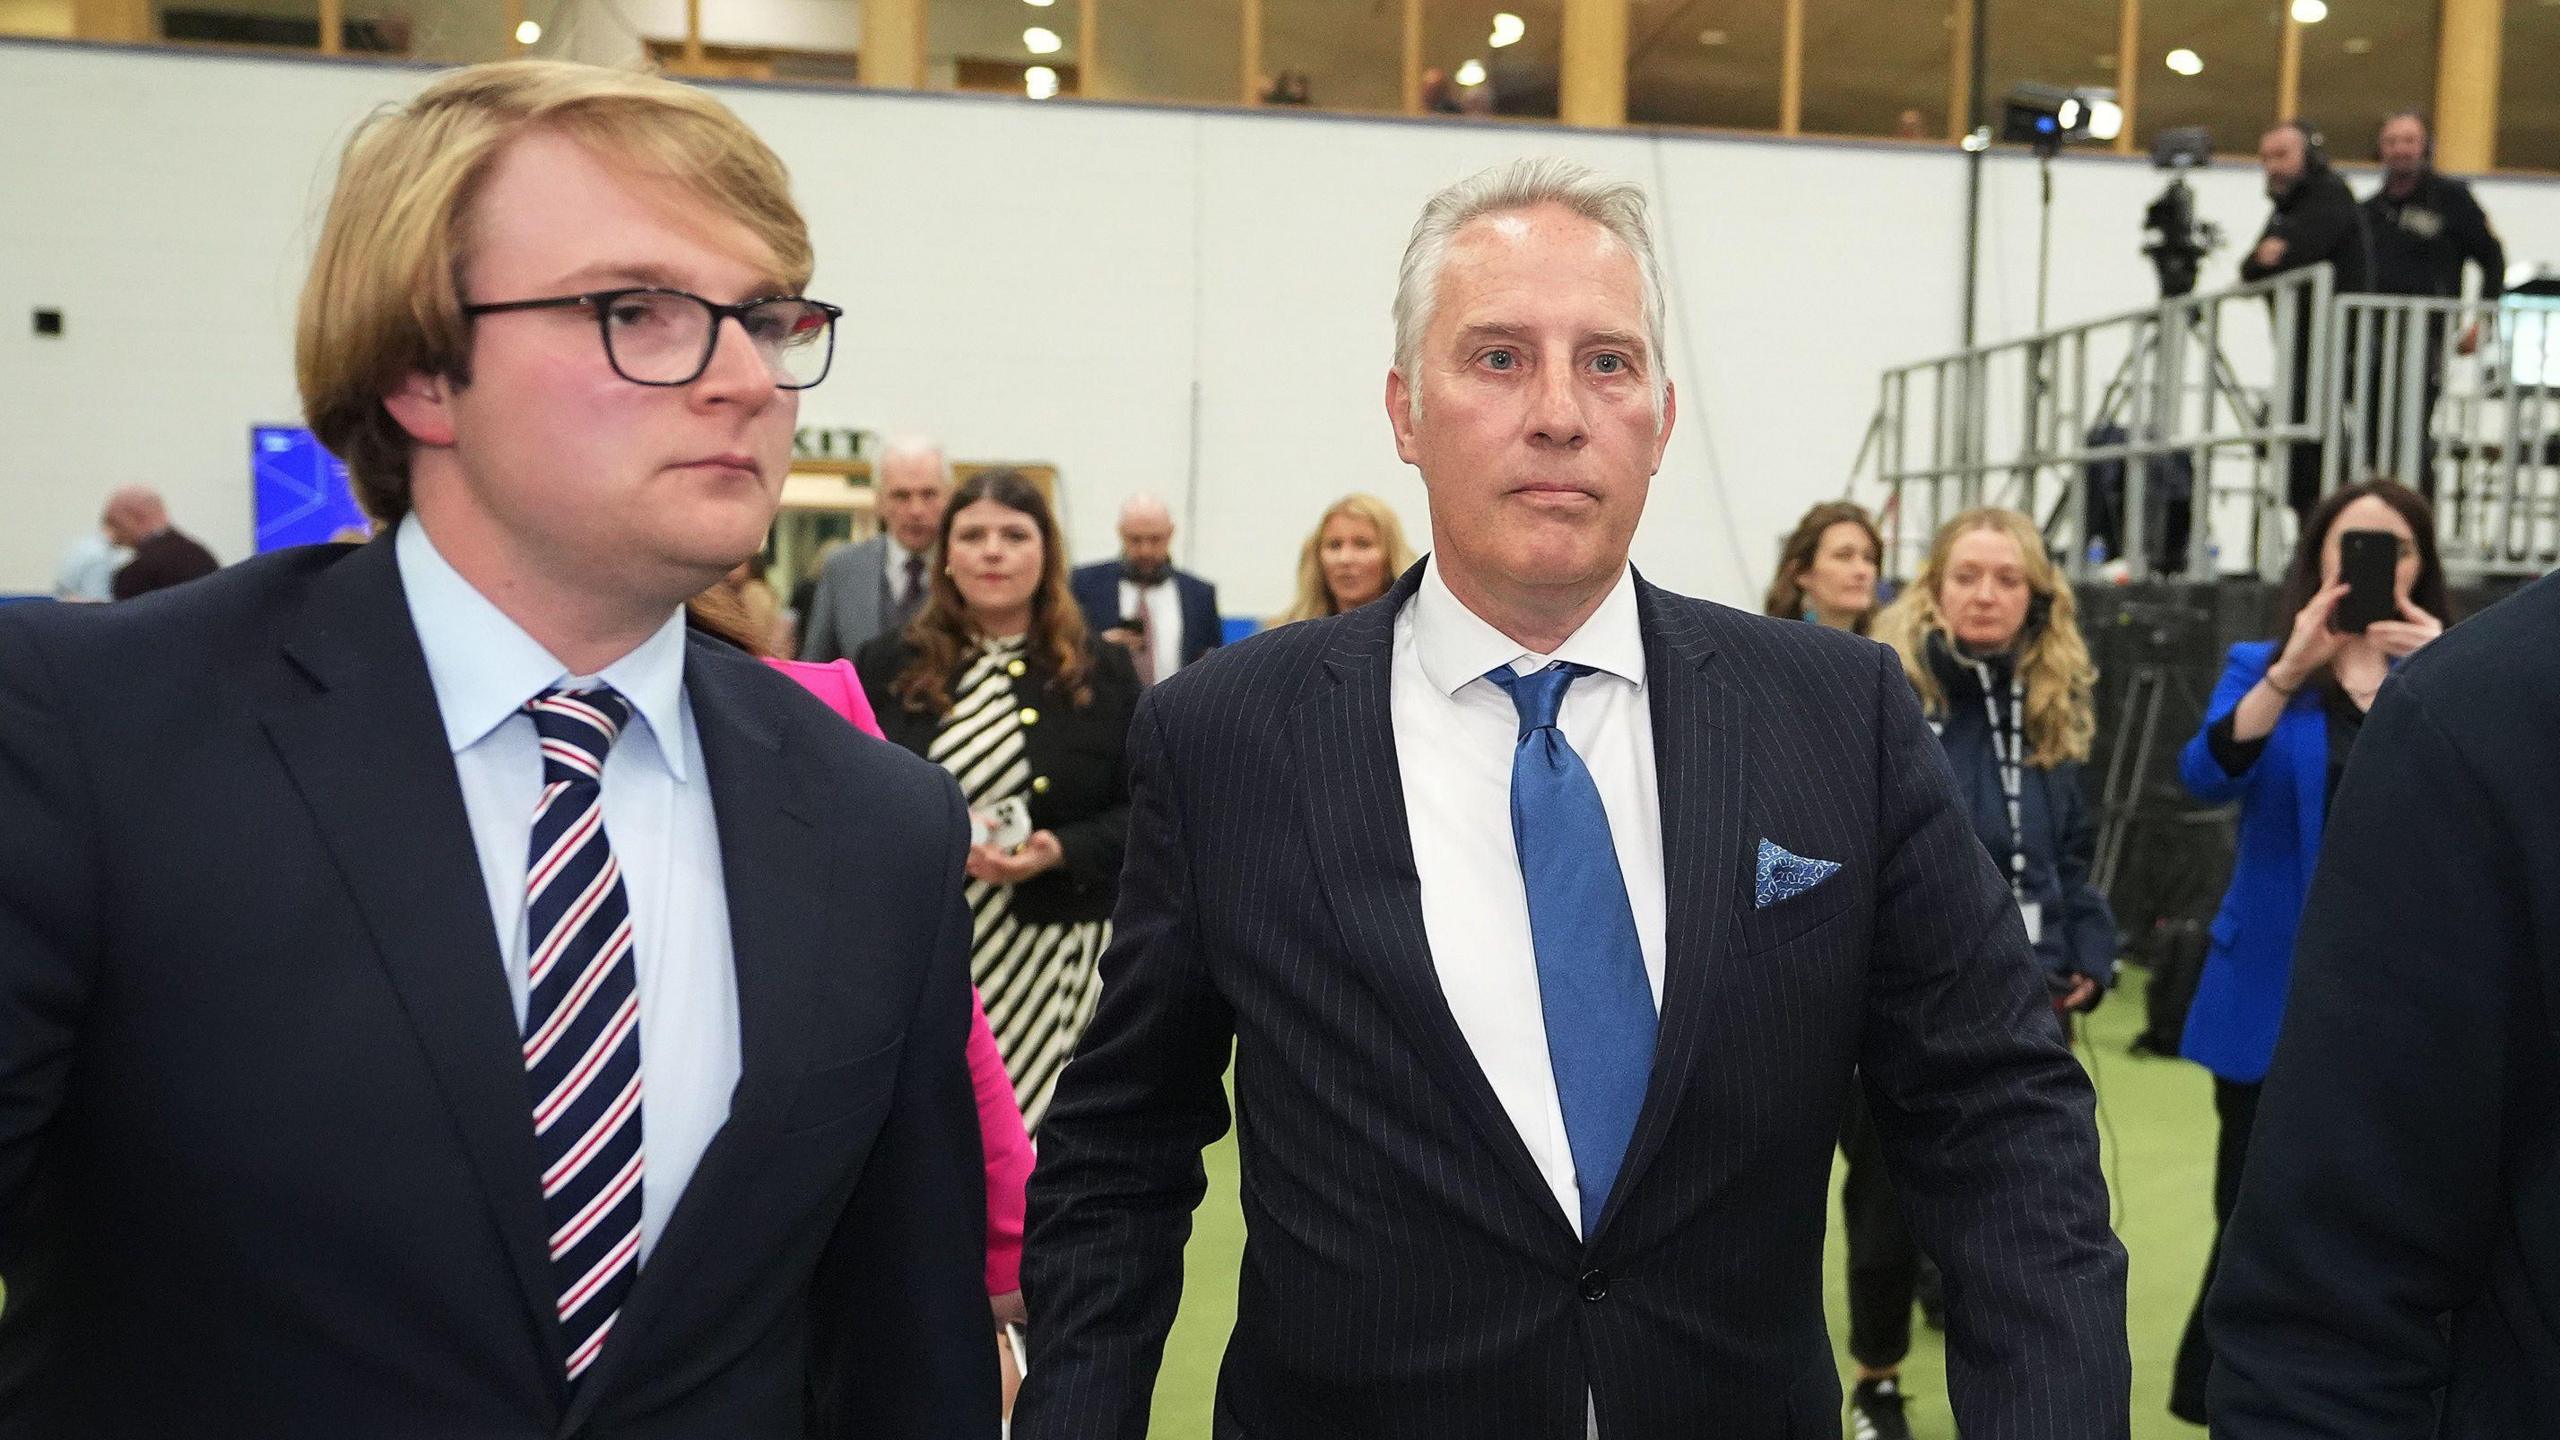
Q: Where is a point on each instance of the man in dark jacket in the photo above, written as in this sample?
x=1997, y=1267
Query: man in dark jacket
x=2424, y=227
x=2390, y=1271
x=136, y=519
x=2315, y=222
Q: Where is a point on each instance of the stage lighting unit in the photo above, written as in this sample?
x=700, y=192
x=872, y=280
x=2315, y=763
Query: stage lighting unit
x=2048, y=117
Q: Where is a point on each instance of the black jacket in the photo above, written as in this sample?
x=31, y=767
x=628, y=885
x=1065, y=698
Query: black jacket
x=2393, y=1269
x=2421, y=240
x=1408, y=1273
x=2079, y=931
x=2318, y=220
x=266, y=1166
x=1079, y=770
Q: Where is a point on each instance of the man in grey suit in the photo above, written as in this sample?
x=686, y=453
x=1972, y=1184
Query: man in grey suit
x=878, y=586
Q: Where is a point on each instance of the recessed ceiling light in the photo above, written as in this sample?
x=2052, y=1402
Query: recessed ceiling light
x=528, y=33
x=1040, y=82
x=1040, y=40
x=1471, y=73
x=2310, y=12
x=2186, y=62
x=1043, y=4
x=1507, y=30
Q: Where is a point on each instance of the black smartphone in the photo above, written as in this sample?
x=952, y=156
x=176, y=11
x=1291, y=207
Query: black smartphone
x=2369, y=561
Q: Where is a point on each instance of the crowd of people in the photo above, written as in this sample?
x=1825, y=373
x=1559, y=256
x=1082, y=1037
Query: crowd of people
x=488, y=983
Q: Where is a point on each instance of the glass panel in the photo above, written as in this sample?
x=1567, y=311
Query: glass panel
x=378, y=28
x=2232, y=91
x=2528, y=103
x=1465, y=73
x=1184, y=50
x=2368, y=59
x=1709, y=62
x=1874, y=67
x=1006, y=46
x=1334, y=54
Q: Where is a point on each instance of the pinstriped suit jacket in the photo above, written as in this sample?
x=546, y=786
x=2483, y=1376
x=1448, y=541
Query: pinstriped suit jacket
x=1408, y=1274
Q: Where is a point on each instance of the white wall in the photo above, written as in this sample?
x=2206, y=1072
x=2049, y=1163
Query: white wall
x=1116, y=290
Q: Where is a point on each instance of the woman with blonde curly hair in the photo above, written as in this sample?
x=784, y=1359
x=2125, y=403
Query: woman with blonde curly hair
x=1357, y=551
x=1989, y=636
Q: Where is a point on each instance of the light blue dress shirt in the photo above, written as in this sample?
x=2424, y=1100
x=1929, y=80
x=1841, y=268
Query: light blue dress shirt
x=658, y=815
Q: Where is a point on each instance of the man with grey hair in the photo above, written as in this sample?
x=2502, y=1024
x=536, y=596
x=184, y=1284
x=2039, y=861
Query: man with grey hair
x=877, y=586
x=1167, y=618
x=1549, y=917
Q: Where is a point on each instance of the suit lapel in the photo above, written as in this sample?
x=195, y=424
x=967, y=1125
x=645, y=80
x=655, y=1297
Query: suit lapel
x=1698, y=772
x=771, y=871
x=1354, y=809
x=359, y=732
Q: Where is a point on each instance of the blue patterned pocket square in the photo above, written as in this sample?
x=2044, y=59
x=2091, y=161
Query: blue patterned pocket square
x=1784, y=875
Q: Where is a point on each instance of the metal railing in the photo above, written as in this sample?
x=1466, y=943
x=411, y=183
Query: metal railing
x=2170, y=440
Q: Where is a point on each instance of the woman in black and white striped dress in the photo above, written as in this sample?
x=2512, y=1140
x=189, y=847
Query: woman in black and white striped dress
x=998, y=681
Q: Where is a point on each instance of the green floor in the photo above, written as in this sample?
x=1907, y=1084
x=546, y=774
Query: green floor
x=2157, y=1123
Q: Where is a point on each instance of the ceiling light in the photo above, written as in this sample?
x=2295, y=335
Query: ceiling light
x=1712, y=37
x=1040, y=82
x=2186, y=62
x=1507, y=30
x=1040, y=40
x=2310, y=12
x=1043, y=4
x=528, y=33
x=1471, y=73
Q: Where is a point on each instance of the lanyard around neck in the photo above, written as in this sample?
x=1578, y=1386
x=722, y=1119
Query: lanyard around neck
x=2008, y=746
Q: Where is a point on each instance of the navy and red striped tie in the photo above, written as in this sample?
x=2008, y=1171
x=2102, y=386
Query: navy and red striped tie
x=582, y=1023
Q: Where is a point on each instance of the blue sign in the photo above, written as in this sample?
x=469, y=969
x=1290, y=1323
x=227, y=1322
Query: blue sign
x=300, y=490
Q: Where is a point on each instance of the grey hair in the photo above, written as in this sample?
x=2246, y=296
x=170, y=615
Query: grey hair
x=1617, y=206
x=914, y=447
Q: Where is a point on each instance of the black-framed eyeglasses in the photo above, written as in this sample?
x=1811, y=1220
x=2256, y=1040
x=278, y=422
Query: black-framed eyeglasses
x=656, y=336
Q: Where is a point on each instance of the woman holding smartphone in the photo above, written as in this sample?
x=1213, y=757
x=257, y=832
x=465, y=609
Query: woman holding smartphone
x=2276, y=738
x=998, y=681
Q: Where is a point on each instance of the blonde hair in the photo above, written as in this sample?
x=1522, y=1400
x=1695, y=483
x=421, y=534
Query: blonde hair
x=2055, y=668
x=384, y=297
x=1617, y=206
x=1315, y=598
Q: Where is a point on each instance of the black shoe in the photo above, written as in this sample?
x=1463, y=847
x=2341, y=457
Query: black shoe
x=1875, y=1411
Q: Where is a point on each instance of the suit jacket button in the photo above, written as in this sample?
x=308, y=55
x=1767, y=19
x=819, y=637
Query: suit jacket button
x=1017, y=669
x=1595, y=1284
x=1028, y=716
x=1039, y=784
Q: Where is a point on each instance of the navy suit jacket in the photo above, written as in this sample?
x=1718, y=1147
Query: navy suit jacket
x=1408, y=1274
x=267, y=1165
x=2239, y=1003
x=1097, y=592
x=2392, y=1271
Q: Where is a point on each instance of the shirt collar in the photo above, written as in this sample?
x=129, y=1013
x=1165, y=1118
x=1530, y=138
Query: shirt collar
x=484, y=667
x=898, y=556
x=1457, y=647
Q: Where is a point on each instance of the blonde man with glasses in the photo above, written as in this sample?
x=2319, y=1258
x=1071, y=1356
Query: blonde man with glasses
x=444, y=1000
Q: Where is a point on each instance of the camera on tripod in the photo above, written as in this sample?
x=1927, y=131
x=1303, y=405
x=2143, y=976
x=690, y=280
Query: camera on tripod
x=2174, y=239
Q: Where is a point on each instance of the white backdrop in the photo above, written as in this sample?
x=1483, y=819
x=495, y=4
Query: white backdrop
x=1192, y=303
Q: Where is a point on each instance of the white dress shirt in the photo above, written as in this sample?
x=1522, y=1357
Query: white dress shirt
x=1455, y=734
x=658, y=816
x=1164, y=619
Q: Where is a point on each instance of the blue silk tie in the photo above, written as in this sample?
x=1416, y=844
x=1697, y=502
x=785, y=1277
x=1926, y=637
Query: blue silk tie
x=1591, y=981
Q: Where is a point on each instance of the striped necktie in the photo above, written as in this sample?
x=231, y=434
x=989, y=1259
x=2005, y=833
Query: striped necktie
x=582, y=1023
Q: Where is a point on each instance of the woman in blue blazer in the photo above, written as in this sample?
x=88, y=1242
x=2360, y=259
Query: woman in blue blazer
x=2276, y=737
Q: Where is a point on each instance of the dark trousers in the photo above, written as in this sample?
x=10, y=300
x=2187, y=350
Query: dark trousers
x=1884, y=1261
x=2236, y=1102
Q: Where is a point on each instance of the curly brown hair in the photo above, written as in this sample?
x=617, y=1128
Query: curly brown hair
x=942, y=636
